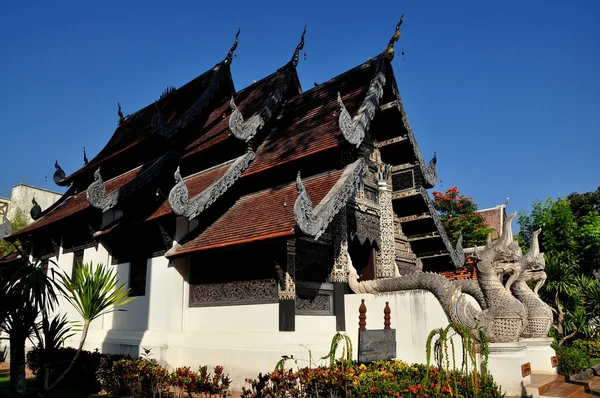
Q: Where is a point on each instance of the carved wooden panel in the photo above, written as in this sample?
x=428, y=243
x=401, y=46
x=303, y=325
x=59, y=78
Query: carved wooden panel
x=234, y=293
x=403, y=180
x=314, y=298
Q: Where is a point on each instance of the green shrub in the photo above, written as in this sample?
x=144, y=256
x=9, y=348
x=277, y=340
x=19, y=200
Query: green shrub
x=572, y=360
x=590, y=346
x=82, y=376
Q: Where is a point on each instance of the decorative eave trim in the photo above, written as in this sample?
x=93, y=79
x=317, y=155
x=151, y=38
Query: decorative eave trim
x=355, y=128
x=429, y=172
x=457, y=254
x=313, y=222
x=5, y=228
x=245, y=130
x=191, y=208
x=96, y=192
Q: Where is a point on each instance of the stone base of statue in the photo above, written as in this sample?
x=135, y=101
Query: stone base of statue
x=539, y=354
x=505, y=365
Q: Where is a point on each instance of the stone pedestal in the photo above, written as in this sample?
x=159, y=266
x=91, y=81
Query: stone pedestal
x=539, y=353
x=504, y=364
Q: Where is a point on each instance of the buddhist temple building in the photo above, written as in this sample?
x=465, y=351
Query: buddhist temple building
x=228, y=210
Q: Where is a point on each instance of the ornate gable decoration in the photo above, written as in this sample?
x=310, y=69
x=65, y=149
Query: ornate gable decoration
x=220, y=71
x=96, y=192
x=355, y=128
x=5, y=228
x=313, y=222
x=245, y=130
x=182, y=205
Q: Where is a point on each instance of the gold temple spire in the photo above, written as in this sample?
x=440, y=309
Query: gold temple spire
x=229, y=57
x=300, y=46
x=389, y=51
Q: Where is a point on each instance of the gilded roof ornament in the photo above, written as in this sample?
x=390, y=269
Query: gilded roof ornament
x=229, y=57
x=299, y=47
x=389, y=51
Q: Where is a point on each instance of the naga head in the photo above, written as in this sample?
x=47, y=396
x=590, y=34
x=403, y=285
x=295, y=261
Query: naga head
x=534, y=264
x=502, y=256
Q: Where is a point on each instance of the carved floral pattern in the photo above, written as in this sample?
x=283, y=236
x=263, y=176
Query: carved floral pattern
x=321, y=303
x=313, y=222
x=190, y=208
x=230, y=293
x=386, y=256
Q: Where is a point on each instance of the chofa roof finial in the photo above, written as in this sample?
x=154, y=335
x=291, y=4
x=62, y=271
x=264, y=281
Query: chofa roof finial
x=120, y=113
x=389, y=51
x=299, y=47
x=229, y=56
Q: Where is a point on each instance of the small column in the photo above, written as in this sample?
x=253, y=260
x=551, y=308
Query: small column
x=287, y=291
x=387, y=318
x=339, y=273
x=386, y=256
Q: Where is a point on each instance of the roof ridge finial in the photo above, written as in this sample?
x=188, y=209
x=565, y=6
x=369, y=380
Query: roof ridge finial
x=120, y=113
x=300, y=46
x=229, y=57
x=389, y=51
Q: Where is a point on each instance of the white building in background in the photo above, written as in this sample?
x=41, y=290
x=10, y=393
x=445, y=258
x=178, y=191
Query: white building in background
x=22, y=197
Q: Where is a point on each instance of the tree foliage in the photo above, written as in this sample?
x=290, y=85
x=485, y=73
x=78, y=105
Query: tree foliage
x=459, y=215
x=17, y=221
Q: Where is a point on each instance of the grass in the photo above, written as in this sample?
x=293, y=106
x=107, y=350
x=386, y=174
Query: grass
x=595, y=361
x=4, y=388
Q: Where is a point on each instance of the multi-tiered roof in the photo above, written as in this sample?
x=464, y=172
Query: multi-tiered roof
x=248, y=166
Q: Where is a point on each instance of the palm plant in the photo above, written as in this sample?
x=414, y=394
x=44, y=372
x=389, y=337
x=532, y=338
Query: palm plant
x=93, y=292
x=24, y=291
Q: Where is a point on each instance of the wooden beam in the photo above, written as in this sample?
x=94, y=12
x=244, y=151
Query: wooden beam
x=424, y=236
x=413, y=217
x=405, y=194
x=391, y=141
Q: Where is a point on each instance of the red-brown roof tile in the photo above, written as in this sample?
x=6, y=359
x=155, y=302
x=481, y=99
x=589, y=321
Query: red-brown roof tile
x=469, y=271
x=308, y=123
x=216, y=127
x=258, y=216
x=195, y=184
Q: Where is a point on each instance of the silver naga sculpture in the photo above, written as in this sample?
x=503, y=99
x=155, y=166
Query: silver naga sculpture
x=5, y=228
x=533, y=269
x=502, y=317
x=313, y=222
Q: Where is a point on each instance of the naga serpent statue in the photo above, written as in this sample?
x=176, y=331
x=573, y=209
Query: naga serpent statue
x=533, y=267
x=503, y=317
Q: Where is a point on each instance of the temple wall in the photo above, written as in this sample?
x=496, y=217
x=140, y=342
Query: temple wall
x=245, y=339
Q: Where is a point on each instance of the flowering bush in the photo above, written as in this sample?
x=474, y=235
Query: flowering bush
x=379, y=379
x=459, y=215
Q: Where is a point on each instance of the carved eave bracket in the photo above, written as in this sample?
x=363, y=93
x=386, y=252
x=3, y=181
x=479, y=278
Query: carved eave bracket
x=355, y=128
x=96, y=194
x=179, y=199
x=245, y=130
x=5, y=228
x=313, y=222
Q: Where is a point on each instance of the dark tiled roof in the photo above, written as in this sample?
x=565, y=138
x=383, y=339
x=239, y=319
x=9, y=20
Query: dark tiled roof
x=76, y=203
x=136, y=128
x=195, y=183
x=258, y=216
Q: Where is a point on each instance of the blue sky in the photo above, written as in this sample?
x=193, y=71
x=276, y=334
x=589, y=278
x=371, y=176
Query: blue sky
x=506, y=92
